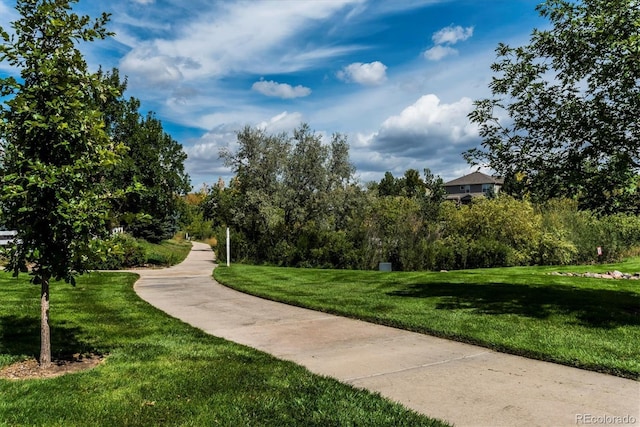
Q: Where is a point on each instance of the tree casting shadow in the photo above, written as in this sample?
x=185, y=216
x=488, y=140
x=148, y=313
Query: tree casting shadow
x=598, y=308
x=20, y=335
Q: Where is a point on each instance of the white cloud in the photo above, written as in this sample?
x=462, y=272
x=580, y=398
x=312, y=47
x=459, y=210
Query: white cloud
x=192, y=63
x=203, y=157
x=283, y=122
x=157, y=70
x=7, y=15
x=203, y=154
x=371, y=74
x=427, y=133
x=207, y=149
x=231, y=37
x=376, y=149
x=144, y=24
x=280, y=90
x=452, y=35
x=427, y=117
x=443, y=40
x=438, y=52
x=4, y=9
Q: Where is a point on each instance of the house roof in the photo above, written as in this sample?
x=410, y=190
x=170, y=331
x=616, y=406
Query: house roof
x=475, y=178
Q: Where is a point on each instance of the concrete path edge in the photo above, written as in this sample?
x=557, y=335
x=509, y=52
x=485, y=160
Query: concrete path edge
x=460, y=383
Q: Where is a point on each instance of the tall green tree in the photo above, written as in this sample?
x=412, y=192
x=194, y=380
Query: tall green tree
x=253, y=203
x=152, y=168
x=563, y=119
x=433, y=196
x=288, y=191
x=55, y=146
x=306, y=178
x=389, y=185
x=412, y=183
x=156, y=161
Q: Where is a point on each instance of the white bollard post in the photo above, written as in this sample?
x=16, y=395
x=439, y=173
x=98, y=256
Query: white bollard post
x=228, y=248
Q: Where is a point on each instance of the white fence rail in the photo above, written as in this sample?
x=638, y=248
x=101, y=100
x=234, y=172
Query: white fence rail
x=7, y=237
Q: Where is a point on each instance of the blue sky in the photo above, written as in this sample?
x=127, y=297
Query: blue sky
x=398, y=77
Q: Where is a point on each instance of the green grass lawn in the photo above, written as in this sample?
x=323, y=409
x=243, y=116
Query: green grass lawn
x=588, y=323
x=167, y=252
x=160, y=371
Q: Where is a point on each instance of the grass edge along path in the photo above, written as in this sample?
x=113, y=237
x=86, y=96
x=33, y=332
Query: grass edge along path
x=161, y=371
x=587, y=323
x=167, y=252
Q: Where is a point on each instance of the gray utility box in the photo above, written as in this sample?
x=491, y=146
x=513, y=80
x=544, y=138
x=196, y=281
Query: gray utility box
x=384, y=266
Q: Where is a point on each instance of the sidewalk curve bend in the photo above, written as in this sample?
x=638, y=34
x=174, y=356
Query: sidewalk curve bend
x=463, y=384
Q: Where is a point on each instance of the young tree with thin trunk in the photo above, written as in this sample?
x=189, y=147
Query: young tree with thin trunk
x=56, y=149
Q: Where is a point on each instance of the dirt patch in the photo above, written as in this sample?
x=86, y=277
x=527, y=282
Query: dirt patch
x=30, y=369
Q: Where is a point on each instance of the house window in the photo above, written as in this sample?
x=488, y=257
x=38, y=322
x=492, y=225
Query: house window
x=486, y=188
x=465, y=188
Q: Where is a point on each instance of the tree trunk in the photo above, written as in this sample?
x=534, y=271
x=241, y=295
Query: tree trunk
x=45, y=332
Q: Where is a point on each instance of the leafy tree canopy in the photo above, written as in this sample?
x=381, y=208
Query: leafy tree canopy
x=563, y=119
x=284, y=186
x=56, y=150
x=152, y=167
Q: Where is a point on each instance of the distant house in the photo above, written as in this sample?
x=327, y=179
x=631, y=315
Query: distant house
x=476, y=184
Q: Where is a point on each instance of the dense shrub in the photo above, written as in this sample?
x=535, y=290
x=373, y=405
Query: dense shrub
x=504, y=231
x=555, y=250
x=508, y=230
x=154, y=230
x=487, y=253
x=241, y=248
x=335, y=250
x=295, y=201
x=420, y=255
x=200, y=228
x=578, y=234
x=394, y=229
x=627, y=230
x=500, y=231
x=451, y=252
x=118, y=252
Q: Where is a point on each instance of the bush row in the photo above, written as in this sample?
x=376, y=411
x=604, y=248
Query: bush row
x=121, y=251
x=508, y=232
x=487, y=233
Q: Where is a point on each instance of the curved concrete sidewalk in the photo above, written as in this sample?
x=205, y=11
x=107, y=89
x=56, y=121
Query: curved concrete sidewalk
x=459, y=383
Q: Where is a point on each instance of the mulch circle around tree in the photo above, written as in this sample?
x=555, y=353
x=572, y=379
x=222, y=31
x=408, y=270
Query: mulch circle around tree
x=30, y=369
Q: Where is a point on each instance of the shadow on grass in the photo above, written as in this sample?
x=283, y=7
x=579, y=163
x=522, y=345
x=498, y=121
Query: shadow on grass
x=20, y=335
x=598, y=308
